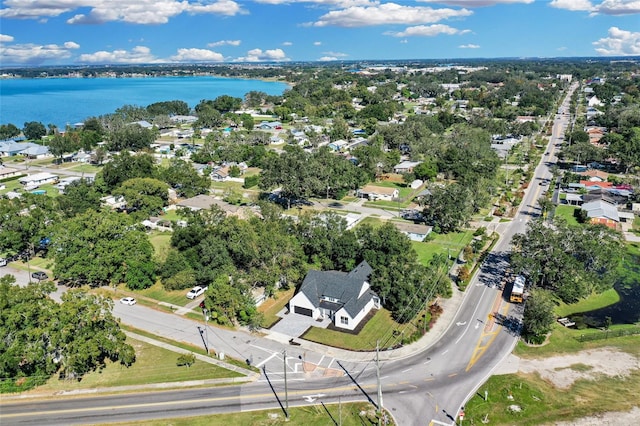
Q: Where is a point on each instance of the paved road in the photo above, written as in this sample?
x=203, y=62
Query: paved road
x=422, y=383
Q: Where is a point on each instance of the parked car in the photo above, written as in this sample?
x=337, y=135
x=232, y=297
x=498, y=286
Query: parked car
x=3, y=261
x=196, y=291
x=128, y=301
x=39, y=275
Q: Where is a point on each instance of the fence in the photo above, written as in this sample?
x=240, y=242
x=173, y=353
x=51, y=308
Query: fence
x=608, y=334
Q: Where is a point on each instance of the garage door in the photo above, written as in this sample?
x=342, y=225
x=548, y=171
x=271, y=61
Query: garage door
x=302, y=311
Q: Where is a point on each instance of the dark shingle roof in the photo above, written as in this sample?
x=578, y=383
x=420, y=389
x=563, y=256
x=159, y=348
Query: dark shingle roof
x=342, y=286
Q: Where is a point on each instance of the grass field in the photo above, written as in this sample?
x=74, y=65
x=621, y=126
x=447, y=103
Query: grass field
x=567, y=213
x=542, y=403
x=596, y=301
x=346, y=414
x=157, y=292
x=381, y=327
x=160, y=242
x=445, y=244
x=153, y=365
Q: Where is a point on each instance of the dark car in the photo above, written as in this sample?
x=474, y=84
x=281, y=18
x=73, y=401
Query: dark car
x=39, y=275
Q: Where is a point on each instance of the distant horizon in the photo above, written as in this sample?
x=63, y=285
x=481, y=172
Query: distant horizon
x=90, y=32
x=631, y=59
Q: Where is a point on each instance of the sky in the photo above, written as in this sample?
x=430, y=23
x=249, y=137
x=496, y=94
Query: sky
x=78, y=32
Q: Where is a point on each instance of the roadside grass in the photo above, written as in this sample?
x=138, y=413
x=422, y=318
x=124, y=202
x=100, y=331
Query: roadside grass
x=84, y=168
x=381, y=327
x=157, y=292
x=372, y=221
x=566, y=212
x=153, y=365
x=189, y=347
x=270, y=307
x=542, y=403
x=595, y=301
x=320, y=414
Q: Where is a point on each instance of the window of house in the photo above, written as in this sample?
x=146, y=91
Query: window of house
x=344, y=320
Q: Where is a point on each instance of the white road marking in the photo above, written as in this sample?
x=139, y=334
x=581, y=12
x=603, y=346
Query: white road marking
x=261, y=363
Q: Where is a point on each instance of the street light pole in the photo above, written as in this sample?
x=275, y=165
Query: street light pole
x=206, y=329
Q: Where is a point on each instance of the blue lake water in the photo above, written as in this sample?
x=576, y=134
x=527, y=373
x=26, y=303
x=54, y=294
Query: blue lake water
x=63, y=101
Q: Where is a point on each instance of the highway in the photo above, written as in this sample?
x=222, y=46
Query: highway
x=426, y=387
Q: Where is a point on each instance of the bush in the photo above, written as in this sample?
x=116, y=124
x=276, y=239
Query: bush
x=180, y=281
x=186, y=359
x=251, y=181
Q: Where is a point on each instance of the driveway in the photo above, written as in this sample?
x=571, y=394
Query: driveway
x=294, y=325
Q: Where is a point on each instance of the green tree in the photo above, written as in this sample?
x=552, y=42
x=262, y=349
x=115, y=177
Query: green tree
x=125, y=166
x=34, y=130
x=145, y=194
x=8, y=131
x=448, y=208
x=78, y=197
x=538, y=316
x=99, y=248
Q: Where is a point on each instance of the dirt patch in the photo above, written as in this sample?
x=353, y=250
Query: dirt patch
x=563, y=371
x=606, y=419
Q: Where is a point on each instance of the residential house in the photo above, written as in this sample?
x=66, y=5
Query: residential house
x=595, y=175
x=270, y=125
x=405, y=166
x=220, y=173
x=415, y=232
x=114, y=201
x=338, y=145
x=343, y=297
x=63, y=183
x=36, y=151
x=38, y=179
x=602, y=213
x=8, y=172
x=589, y=185
x=373, y=193
x=594, y=102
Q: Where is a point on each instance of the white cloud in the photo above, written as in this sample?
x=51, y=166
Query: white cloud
x=476, y=3
x=426, y=31
x=335, y=54
x=469, y=46
x=196, y=55
x=100, y=11
x=606, y=7
x=137, y=55
x=71, y=45
x=334, y=3
x=224, y=43
x=5, y=38
x=34, y=54
x=387, y=13
x=328, y=58
x=573, y=5
x=619, y=43
x=269, y=55
x=317, y=43
x=404, y=41
x=287, y=43
x=619, y=7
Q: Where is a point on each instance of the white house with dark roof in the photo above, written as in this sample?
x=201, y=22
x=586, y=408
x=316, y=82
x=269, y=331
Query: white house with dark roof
x=344, y=297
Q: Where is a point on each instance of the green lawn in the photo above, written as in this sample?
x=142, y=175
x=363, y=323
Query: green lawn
x=380, y=327
x=596, y=301
x=161, y=242
x=346, y=414
x=567, y=213
x=445, y=244
x=153, y=365
x=84, y=168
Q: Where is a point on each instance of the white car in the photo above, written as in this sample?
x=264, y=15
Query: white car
x=128, y=301
x=196, y=291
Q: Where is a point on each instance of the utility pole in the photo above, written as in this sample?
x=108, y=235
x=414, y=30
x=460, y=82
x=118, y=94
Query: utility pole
x=378, y=376
x=286, y=391
x=206, y=329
